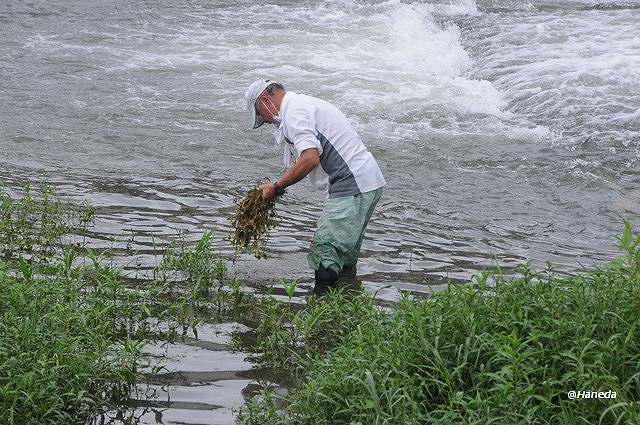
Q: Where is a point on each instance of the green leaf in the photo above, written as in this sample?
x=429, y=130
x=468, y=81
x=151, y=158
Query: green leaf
x=627, y=236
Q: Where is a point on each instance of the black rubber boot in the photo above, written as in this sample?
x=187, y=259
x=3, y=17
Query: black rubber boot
x=348, y=278
x=326, y=280
x=348, y=272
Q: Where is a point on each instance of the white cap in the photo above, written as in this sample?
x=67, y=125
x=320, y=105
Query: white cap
x=253, y=92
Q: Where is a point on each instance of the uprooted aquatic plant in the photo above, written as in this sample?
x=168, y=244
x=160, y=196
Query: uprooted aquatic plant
x=250, y=225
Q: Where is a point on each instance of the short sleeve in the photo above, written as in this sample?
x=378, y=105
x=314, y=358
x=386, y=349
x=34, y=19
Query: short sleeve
x=301, y=129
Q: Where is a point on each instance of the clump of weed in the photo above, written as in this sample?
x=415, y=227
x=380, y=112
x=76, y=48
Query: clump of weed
x=251, y=222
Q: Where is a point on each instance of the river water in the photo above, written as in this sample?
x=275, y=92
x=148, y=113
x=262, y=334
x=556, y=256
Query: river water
x=507, y=130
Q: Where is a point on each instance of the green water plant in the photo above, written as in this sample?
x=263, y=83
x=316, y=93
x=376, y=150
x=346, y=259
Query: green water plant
x=193, y=282
x=60, y=324
x=58, y=363
x=290, y=338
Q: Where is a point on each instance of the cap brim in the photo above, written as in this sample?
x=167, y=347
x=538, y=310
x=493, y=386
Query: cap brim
x=256, y=119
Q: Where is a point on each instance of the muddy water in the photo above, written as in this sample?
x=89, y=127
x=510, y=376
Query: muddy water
x=507, y=130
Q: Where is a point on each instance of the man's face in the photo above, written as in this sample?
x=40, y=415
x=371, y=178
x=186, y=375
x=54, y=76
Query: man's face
x=266, y=108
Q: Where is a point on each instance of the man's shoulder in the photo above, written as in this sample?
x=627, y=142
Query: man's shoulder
x=302, y=108
x=299, y=100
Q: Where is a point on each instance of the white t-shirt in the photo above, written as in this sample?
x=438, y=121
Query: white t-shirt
x=346, y=167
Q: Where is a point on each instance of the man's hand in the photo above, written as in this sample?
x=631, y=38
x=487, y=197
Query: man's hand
x=268, y=192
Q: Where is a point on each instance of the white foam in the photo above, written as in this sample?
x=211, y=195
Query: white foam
x=420, y=46
x=400, y=64
x=389, y=53
x=572, y=72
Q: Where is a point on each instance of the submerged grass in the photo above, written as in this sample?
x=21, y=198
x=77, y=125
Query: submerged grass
x=35, y=226
x=503, y=351
x=251, y=222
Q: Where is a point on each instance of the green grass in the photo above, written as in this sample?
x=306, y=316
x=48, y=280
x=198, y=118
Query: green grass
x=57, y=360
x=65, y=352
x=71, y=330
x=501, y=350
x=503, y=353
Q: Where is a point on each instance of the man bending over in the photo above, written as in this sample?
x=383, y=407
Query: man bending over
x=321, y=143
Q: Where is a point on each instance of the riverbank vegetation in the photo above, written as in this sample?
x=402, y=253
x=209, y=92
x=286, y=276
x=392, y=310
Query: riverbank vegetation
x=71, y=326
x=504, y=349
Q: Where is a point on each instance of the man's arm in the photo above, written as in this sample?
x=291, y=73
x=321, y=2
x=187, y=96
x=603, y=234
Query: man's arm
x=308, y=160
